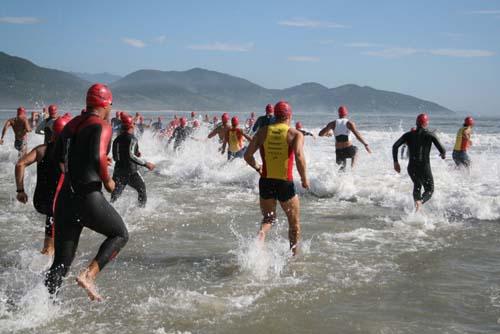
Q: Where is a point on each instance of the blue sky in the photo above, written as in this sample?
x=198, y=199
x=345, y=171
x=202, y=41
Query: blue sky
x=443, y=50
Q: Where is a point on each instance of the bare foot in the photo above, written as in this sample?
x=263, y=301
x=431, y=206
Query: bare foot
x=418, y=206
x=48, y=247
x=295, y=250
x=86, y=282
x=261, y=236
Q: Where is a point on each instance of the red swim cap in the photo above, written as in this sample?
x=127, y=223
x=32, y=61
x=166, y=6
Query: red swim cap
x=343, y=111
x=52, y=110
x=225, y=118
x=282, y=109
x=196, y=124
x=298, y=125
x=21, y=111
x=422, y=120
x=235, y=121
x=193, y=114
x=183, y=121
x=127, y=121
x=469, y=121
x=269, y=109
x=60, y=123
x=99, y=95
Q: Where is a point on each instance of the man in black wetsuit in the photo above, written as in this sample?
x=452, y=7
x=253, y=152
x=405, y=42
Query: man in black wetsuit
x=419, y=143
x=299, y=127
x=47, y=176
x=180, y=134
x=83, y=147
x=127, y=157
x=45, y=126
x=265, y=120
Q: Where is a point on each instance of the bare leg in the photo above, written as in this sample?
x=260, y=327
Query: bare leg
x=354, y=160
x=86, y=280
x=48, y=246
x=292, y=211
x=418, y=206
x=268, y=208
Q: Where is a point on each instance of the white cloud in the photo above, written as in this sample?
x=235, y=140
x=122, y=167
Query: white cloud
x=363, y=45
x=461, y=53
x=19, y=20
x=136, y=43
x=486, y=12
x=305, y=23
x=160, y=39
x=306, y=59
x=227, y=47
x=391, y=52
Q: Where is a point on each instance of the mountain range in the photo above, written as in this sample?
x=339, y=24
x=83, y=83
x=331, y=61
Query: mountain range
x=24, y=83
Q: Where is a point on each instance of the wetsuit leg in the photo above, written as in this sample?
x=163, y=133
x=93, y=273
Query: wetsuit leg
x=417, y=185
x=120, y=184
x=49, y=226
x=427, y=182
x=97, y=214
x=67, y=235
x=137, y=182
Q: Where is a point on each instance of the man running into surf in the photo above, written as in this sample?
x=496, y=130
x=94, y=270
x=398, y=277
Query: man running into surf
x=45, y=126
x=235, y=139
x=221, y=129
x=83, y=204
x=463, y=143
x=342, y=129
x=20, y=125
x=419, y=142
x=279, y=146
x=267, y=119
x=127, y=157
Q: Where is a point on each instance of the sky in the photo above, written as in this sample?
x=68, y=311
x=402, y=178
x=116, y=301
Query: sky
x=446, y=51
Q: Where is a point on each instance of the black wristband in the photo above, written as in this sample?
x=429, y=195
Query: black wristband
x=19, y=190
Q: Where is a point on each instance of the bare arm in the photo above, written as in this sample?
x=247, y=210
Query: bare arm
x=351, y=126
x=329, y=127
x=27, y=125
x=224, y=142
x=247, y=137
x=300, y=160
x=254, y=145
x=7, y=125
x=214, y=132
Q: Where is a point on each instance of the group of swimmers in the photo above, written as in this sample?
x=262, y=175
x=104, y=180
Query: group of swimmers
x=73, y=163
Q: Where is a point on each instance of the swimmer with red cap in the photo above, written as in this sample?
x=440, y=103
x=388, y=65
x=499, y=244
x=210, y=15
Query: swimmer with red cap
x=279, y=145
x=299, y=127
x=45, y=126
x=127, y=158
x=267, y=119
x=221, y=129
x=342, y=129
x=462, y=144
x=81, y=202
x=419, y=142
x=20, y=125
x=47, y=176
x=180, y=134
x=234, y=139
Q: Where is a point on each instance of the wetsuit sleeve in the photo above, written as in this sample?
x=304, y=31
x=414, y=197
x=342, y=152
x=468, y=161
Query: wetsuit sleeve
x=132, y=151
x=40, y=129
x=116, y=156
x=438, y=144
x=104, y=142
x=395, y=147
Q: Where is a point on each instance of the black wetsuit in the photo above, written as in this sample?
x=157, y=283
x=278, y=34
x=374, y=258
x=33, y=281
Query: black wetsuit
x=180, y=135
x=84, y=144
x=47, y=176
x=263, y=121
x=306, y=133
x=127, y=157
x=157, y=126
x=419, y=144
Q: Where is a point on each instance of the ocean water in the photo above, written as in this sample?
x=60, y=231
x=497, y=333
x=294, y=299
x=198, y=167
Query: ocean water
x=368, y=263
